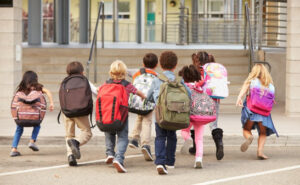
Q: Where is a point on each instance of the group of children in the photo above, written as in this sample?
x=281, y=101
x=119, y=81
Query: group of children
x=165, y=140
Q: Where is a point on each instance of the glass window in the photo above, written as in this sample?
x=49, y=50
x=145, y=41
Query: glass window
x=124, y=10
x=216, y=8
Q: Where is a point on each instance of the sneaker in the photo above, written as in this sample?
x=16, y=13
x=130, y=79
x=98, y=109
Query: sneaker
x=74, y=144
x=33, y=147
x=119, y=166
x=72, y=161
x=109, y=159
x=170, y=166
x=147, y=153
x=246, y=144
x=133, y=144
x=161, y=169
x=15, y=154
x=198, y=162
x=186, y=145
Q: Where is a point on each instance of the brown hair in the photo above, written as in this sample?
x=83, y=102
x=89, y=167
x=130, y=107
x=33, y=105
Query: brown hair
x=74, y=68
x=190, y=74
x=211, y=58
x=168, y=60
x=150, y=60
x=29, y=82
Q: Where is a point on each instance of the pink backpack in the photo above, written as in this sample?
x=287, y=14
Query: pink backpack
x=28, y=110
x=203, y=107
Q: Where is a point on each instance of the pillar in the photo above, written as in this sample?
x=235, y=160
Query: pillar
x=164, y=21
x=84, y=21
x=35, y=22
x=182, y=24
x=115, y=21
x=140, y=21
x=11, y=54
x=62, y=21
x=293, y=59
x=195, y=21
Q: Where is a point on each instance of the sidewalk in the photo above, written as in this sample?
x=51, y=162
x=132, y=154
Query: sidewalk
x=52, y=132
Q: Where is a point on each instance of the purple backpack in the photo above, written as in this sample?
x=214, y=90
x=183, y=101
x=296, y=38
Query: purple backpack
x=203, y=107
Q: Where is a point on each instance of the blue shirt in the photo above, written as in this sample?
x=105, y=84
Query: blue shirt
x=155, y=86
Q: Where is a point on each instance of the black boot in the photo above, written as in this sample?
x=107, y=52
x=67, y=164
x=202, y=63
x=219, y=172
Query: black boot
x=192, y=150
x=218, y=138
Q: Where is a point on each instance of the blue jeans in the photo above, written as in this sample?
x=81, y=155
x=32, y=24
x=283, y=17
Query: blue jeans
x=165, y=155
x=110, y=141
x=19, y=132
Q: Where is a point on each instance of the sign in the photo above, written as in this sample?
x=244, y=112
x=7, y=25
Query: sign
x=6, y=3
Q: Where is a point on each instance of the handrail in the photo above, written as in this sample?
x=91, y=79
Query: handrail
x=94, y=42
x=252, y=60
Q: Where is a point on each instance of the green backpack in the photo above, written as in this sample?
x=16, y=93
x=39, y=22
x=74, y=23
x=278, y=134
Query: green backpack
x=173, y=106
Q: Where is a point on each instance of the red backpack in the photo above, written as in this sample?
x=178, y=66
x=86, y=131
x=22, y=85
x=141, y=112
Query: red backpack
x=112, y=106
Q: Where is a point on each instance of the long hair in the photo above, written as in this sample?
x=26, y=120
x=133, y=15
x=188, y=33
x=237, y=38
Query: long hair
x=29, y=82
x=260, y=71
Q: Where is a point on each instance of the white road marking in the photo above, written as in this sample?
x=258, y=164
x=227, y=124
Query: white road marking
x=249, y=175
x=60, y=166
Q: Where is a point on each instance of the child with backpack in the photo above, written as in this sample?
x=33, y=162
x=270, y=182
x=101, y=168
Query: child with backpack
x=172, y=98
x=28, y=109
x=142, y=80
x=203, y=111
x=75, y=97
x=112, y=113
x=256, y=111
x=201, y=60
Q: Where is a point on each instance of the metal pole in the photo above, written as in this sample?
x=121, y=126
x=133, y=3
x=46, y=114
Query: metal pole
x=260, y=24
x=84, y=21
x=164, y=21
x=181, y=23
x=195, y=21
x=115, y=21
x=35, y=22
x=187, y=26
x=102, y=26
x=140, y=21
x=95, y=61
x=245, y=29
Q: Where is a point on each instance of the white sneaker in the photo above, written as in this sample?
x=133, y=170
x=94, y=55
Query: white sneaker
x=161, y=169
x=186, y=145
x=119, y=166
x=198, y=162
x=170, y=167
x=109, y=159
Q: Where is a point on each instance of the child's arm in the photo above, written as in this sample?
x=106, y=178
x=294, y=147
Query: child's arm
x=140, y=94
x=243, y=91
x=93, y=89
x=48, y=93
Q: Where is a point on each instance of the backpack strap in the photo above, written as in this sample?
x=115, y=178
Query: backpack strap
x=58, y=116
x=143, y=71
x=163, y=78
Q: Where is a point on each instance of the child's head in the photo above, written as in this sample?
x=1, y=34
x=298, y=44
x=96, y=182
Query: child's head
x=74, y=68
x=190, y=74
x=168, y=60
x=261, y=72
x=29, y=82
x=201, y=58
x=150, y=60
x=117, y=70
x=211, y=58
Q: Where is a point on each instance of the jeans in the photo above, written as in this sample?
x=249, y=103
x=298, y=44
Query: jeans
x=19, y=132
x=122, y=143
x=165, y=154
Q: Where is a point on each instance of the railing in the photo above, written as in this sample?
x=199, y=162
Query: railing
x=251, y=47
x=94, y=42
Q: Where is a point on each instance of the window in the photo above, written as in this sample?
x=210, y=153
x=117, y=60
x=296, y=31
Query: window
x=124, y=10
x=216, y=8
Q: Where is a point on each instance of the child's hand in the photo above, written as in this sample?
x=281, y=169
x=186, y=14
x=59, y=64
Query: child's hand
x=51, y=107
x=239, y=102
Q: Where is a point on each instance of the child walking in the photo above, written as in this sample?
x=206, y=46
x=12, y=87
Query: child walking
x=165, y=140
x=260, y=93
x=28, y=84
x=191, y=78
x=117, y=74
x=142, y=127
x=199, y=60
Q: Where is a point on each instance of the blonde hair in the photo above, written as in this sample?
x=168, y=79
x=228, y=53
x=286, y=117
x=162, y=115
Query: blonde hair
x=260, y=71
x=118, y=70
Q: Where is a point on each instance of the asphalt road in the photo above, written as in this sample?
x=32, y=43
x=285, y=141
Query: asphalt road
x=48, y=166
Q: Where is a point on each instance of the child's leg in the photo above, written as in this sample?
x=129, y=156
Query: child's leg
x=70, y=132
x=137, y=128
x=83, y=124
x=261, y=141
x=146, y=129
x=199, y=131
x=185, y=133
x=122, y=143
x=247, y=135
x=160, y=145
x=17, y=136
x=171, y=147
x=35, y=133
x=110, y=142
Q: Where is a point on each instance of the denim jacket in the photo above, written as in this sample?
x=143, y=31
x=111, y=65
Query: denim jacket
x=155, y=86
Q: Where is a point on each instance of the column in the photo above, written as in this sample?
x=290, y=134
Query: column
x=164, y=21
x=293, y=59
x=195, y=21
x=140, y=20
x=35, y=22
x=115, y=21
x=182, y=27
x=84, y=21
x=62, y=21
x=11, y=54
